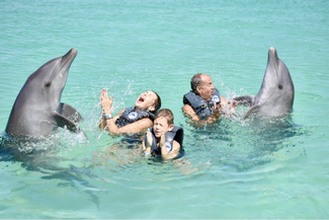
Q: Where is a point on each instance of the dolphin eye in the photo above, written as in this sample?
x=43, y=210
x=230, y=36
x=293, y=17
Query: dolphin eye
x=280, y=86
x=47, y=84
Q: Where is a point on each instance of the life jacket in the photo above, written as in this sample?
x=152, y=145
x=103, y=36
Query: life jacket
x=177, y=134
x=202, y=107
x=130, y=115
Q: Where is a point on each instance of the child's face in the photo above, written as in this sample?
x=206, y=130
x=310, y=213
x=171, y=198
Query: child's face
x=161, y=126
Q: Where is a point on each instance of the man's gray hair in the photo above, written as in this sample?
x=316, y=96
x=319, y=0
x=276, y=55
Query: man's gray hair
x=196, y=81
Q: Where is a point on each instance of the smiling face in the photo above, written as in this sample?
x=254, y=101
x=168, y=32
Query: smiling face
x=146, y=101
x=206, y=88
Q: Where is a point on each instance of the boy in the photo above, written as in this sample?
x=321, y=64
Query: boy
x=164, y=140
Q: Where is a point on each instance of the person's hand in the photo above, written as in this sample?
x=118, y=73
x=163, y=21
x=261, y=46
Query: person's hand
x=217, y=110
x=229, y=107
x=106, y=102
x=163, y=140
x=149, y=138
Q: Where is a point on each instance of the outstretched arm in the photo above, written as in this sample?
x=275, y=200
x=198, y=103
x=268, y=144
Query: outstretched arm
x=133, y=128
x=106, y=104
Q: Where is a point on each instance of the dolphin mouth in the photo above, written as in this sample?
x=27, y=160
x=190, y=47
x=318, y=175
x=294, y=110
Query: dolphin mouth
x=66, y=62
x=68, y=58
x=272, y=56
x=70, y=55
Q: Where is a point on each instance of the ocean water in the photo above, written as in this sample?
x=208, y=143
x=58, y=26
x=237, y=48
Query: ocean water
x=233, y=169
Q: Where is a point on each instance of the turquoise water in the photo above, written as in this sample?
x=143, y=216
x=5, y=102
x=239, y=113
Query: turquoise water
x=244, y=170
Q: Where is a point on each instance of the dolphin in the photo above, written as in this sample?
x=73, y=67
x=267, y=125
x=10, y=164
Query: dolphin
x=38, y=111
x=276, y=96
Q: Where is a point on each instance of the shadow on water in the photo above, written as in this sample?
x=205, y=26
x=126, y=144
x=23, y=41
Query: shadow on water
x=45, y=156
x=243, y=144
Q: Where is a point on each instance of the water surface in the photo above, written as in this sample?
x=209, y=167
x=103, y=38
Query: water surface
x=245, y=170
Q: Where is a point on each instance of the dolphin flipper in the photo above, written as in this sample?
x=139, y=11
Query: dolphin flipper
x=252, y=110
x=63, y=121
x=69, y=112
x=245, y=100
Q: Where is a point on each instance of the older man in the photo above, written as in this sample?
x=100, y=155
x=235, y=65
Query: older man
x=204, y=103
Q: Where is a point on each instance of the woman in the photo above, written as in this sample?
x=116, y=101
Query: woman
x=132, y=120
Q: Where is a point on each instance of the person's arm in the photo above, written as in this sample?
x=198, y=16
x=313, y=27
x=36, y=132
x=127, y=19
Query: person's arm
x=106, y=104
x=133, y=128
x=169, y=155
x=189, y=111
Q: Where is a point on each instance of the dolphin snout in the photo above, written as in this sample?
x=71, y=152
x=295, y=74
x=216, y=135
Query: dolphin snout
x=73, y=50
x=272, y=55
x=272, y=49
x=71, y=54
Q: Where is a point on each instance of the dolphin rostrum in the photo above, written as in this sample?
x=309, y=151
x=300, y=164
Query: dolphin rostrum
x=276, y=95
x=38, y=111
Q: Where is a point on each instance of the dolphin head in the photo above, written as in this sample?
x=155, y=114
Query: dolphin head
x=39, y=98
x=50, y=79
x=276, y=95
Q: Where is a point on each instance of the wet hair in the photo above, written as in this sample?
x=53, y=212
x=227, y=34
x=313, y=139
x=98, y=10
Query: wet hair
x=196, y=81
x=166, y=113
x=157, y=103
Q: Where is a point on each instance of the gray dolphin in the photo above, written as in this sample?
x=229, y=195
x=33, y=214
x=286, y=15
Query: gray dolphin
x=276, y=95
x=37, y=111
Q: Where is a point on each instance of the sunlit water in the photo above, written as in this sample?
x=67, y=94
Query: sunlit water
x=233, y=169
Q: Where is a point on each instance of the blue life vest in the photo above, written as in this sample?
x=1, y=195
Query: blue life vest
x=130, y=115
x=177, y=134
x=202, y=107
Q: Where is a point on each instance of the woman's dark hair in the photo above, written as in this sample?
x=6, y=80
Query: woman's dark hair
x=157, y=104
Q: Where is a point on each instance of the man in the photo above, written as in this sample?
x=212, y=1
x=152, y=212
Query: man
x=203, y=104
